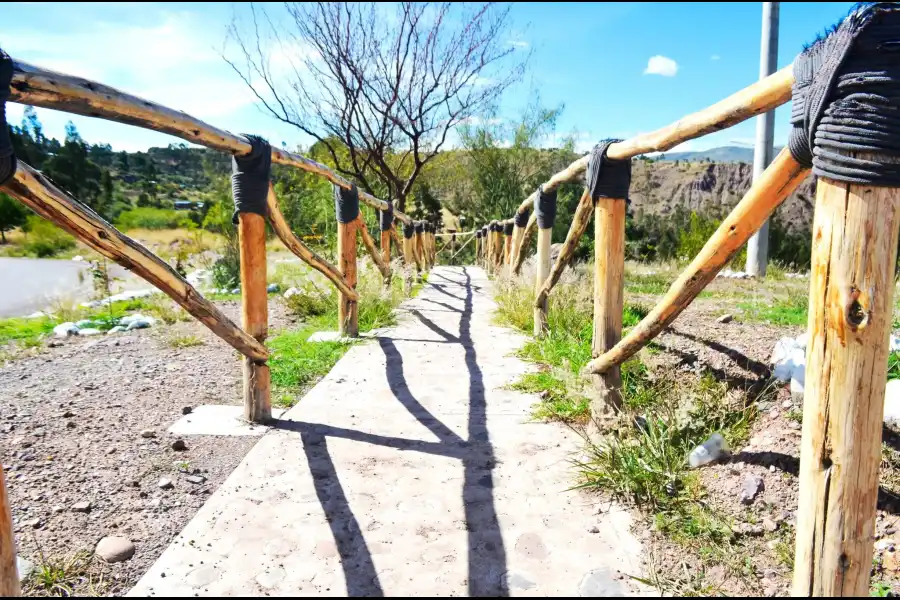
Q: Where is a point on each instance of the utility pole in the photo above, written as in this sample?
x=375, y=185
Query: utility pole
x=758, y=246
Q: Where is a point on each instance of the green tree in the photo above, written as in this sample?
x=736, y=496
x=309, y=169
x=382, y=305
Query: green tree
x=12, y=215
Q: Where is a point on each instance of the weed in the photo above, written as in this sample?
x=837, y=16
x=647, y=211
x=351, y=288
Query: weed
x=794, y=415
x=61, y=576
x=557, y=403
x=183, y=341
x=880, y=589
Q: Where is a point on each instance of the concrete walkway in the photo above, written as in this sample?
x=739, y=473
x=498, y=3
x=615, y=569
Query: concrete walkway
x=408, y=471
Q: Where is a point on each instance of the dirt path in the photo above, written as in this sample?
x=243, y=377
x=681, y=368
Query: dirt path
x=408, y=470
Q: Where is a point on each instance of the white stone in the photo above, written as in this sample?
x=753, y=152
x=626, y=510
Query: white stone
x=895, y=343
x=892, y=404
x=78, y=258
x=89, y=332
x=115, y=549
x=291, y=292
x=65, y=329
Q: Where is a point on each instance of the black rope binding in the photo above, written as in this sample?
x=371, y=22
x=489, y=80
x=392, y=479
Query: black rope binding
x=420, y=227
x=7, y=155
x=250, y=178
x=507, y=228
x=346, y=203
x=606, y=177
x=545, y=208
x=846, y=99
x=521, y=219
x=408, y=230
x=478, y=234
x=386, y=217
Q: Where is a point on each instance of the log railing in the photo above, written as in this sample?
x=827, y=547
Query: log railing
x=44, y=88
x=854, y=253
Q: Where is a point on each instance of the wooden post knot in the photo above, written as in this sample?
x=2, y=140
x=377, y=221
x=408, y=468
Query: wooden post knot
x=858, y=312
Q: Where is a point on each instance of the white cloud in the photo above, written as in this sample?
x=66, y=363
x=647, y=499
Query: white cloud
x=715, y=57
x=172, y=61
x=661, y=65
x=520, y=44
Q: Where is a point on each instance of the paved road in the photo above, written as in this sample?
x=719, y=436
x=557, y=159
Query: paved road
x=410, y=470
x=32, y=284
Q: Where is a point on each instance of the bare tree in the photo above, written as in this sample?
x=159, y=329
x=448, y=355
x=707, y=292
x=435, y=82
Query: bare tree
x=379, y=88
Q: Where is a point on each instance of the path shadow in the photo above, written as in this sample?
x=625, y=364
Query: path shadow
x=739, y=358
x=486, y=552
x=754, y=386
x=356, y=559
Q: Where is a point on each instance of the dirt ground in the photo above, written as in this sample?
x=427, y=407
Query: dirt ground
x=85, y=422
x=762, y=546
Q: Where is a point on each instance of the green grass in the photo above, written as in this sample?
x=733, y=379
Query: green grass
x=792, y=310
x=60, y=576
x=557, y=402
x=295, y=363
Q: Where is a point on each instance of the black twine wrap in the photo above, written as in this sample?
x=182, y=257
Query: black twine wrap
x=507, y=228
x=250, y=175
x=386, y=217
x=7, y=155
x=545, y=208
x=478, y=234
x=521, y=218
x=346, y=203
x=606, y=177
x=408, y=230
x=420, y=227
x=846, y=99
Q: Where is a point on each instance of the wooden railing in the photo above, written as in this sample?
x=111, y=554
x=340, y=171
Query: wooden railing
x=854, y=251
x=40, y=87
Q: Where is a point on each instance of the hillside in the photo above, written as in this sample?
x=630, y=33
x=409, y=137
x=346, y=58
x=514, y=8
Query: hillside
x=709, y=189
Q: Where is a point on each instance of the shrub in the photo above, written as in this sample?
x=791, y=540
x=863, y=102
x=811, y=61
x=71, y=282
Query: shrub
x=153, y=218
x=45, y=239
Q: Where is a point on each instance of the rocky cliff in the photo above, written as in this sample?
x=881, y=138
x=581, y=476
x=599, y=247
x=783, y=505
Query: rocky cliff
x=710, y=189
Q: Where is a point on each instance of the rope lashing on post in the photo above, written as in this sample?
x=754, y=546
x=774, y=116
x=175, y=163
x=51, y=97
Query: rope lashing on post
x=409, y=229
x=420, y=227
x=250, y=176
x=7, y=155
x=386, y=217
x=507, y=229
x=846, y=99
x=346, y=204
x=545, y=208
x=521, y=218
x=606, y=177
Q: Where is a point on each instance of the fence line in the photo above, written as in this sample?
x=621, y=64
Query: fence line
x=48, y=89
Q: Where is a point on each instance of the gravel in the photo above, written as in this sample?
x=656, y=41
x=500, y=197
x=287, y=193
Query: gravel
x=71, y=419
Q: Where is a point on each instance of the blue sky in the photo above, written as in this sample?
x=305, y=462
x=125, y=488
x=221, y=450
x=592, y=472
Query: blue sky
x=589, y=57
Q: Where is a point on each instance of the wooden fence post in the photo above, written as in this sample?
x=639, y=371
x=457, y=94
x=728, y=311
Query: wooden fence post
x=851, y=298
x=609, y=270
x=507, y=243
x=9, y=576
x=386, y=246
x=543, y=270
x=346, y=206
x=254, y=313
x=419, y=248
x=498, y=248
x=545, y=217
x=348, y=309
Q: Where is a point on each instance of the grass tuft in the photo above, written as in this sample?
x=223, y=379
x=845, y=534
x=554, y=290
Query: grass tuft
x=183, y=341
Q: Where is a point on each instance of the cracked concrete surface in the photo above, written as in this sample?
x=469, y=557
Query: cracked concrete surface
x=408, y=470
